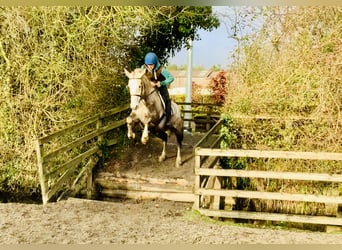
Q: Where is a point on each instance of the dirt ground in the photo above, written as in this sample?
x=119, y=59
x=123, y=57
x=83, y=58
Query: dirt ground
x=142, y=160
x=80, y=221
x=76, y=221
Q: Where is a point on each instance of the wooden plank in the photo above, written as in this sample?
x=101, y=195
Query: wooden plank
x=90, y=185
x=112, y=142
x=202, y=112
x=42, y=180
x=270, y=195
x=61, y=132
x=216, y=201
x=270, y=154
x=324, y=220
x=197, y=181
x=61, y=180
x=211, y=201
x=69, y=166
x=59, y=183
x=270, y=174
x=74, y=162
x=141, y=186
x=265, y=117
x=84, y=123
x=209, y=163
x=99, y=132
x=128, y=194
x=216, y=141
x=69, y=146
x=99, y=125
x=111, y=126
x=208, y=134
x=116, y=110
x=199, y=104
x=128, y=177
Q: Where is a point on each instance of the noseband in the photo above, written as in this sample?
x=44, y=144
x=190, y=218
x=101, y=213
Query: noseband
x=142, y=88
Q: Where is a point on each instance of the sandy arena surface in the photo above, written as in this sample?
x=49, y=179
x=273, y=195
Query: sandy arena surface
x=87, y=221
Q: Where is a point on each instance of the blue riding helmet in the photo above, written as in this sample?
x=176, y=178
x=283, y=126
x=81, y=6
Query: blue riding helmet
x=151, y=58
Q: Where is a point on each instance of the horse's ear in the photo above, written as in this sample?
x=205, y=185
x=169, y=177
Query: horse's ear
x=127, y=73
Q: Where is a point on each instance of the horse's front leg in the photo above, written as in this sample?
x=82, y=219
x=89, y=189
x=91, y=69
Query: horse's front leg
x=144, y=137
x=162, y=157
x=129, y=121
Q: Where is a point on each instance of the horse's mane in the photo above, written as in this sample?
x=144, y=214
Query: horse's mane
x=141, y=73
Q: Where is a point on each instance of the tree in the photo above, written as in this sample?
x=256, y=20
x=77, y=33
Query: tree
x=216, y=67
x=218, y=85
x=173, y=26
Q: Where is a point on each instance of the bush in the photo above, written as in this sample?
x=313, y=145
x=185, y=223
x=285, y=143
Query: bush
x=61, y=64
x=289, y=77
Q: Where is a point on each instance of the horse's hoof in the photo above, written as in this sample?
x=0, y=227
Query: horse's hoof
x=131, y=136
x=178, y=164
x=144, y=140
x=162, y=158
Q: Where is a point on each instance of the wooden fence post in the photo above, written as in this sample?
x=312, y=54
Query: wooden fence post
x=330, y=229
x=63, y=171
x=42, y=180
x=197, y=180
x=99, y=125
x=208, y=118
x=90, y=165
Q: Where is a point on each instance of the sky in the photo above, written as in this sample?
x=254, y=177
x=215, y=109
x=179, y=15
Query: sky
x=214, y=48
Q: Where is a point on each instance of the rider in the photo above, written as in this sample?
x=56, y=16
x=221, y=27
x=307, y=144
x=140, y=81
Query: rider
x=160, y=78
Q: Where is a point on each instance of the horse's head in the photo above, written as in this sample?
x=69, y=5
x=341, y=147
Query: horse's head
x=136, y=86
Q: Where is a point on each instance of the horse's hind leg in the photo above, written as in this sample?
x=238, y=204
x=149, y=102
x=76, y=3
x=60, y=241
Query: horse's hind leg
x=179, y=157
x=179, y=136
x=163, y=136
x=162, y=157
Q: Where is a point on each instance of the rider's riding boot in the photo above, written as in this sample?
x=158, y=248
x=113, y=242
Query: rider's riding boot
x=168, y=115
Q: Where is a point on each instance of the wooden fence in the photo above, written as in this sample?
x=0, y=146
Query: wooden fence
x=203, y=115
x=208, y=186
x=86, y=141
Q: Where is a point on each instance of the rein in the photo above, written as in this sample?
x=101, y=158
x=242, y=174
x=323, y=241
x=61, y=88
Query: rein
x=141, y=95
x=144, y=96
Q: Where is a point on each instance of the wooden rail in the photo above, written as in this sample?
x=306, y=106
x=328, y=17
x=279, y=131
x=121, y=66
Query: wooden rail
x=54, y=174
x=203, y=115
x=89, y=135
x=207, y=176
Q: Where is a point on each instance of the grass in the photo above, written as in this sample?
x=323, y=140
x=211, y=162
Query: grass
x=194, y=215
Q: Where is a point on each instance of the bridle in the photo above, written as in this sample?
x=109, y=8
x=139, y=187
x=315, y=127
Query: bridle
x=142, y=90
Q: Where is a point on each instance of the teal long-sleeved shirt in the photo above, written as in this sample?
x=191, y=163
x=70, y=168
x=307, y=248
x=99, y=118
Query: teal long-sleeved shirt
x=168, y=77
x=165, y=75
